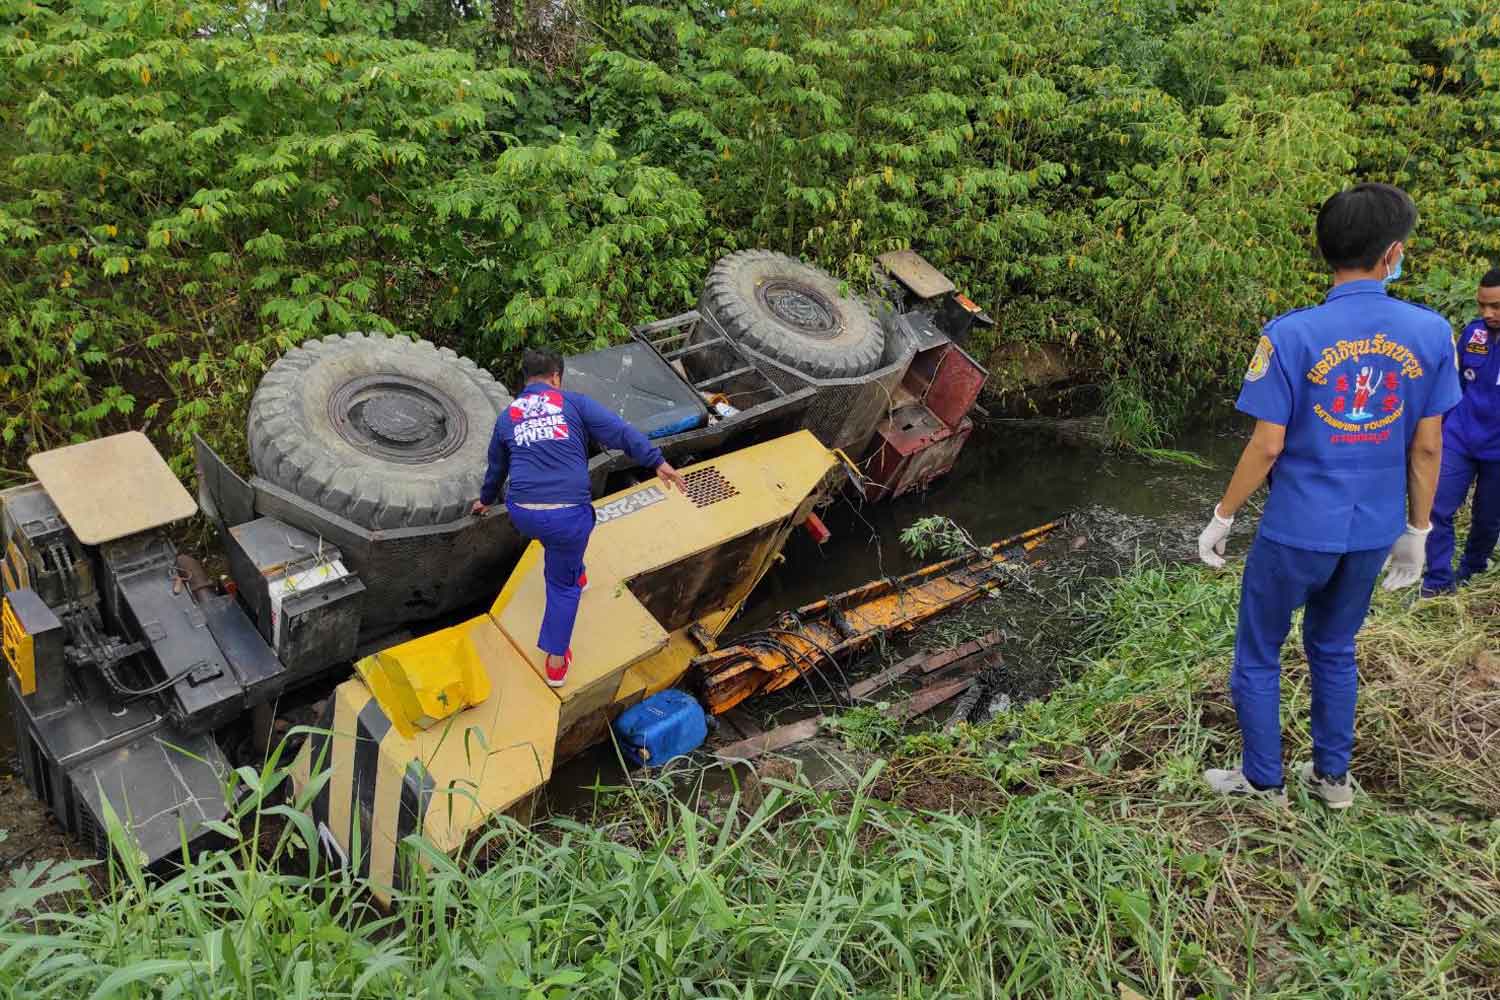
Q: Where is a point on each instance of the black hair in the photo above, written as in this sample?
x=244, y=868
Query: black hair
x=1357, y=226
x=1491, y=278
x=539, y=362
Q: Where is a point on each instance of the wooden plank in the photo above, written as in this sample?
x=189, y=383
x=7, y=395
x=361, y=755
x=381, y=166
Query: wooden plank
x=930, y=697
x=927, y=662
x=776, y=739
x=925, y=700
x=895, y=672
x=938, y=661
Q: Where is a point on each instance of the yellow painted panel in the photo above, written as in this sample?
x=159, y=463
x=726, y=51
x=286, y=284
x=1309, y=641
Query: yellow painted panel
x=646, y=528
x=661, y=670
x=530, y=560
x=18, y=647
x=770, y=481
x=489, y=756
x=613, y=629
x=388, y=776
x=423, y=681
x=348, y=698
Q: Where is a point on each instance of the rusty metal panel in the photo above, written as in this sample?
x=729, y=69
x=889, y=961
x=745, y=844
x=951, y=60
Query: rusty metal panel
x=901, y=462
x=935, y=460
x=828, y=632
x=955, y=385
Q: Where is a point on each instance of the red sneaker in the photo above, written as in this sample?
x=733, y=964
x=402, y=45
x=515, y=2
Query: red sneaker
x=583, y=581
x=557, y=676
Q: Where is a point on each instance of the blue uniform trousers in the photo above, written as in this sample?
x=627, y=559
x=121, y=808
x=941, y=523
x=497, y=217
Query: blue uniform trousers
x=1335, y=588
x=564, y=534
x=1460, y=471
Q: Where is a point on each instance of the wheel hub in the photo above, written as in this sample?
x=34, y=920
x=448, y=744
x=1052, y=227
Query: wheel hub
x=798, y=306
x=396, y=418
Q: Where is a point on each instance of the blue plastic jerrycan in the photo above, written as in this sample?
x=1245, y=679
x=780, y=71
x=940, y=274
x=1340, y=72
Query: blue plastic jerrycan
x=664, y=726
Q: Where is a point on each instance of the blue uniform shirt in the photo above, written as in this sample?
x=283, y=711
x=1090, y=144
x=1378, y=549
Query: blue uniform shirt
x=1349, y=380
x=542, y=440
x=1473, y=427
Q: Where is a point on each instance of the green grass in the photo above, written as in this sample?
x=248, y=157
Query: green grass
x=1062, y=852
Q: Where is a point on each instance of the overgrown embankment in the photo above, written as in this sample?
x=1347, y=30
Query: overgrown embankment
x=188, y=188
x=1074, y=851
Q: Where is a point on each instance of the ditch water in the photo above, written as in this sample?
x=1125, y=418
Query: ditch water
x=1008, y=479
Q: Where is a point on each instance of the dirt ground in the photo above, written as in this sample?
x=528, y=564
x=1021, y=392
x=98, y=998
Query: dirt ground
x=31, y=834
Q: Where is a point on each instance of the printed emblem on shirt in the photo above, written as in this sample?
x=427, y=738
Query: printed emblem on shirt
x=1260, y=361
x=1363, y=405
x=1479, y=342
x=1468, y=374
x=538, y=417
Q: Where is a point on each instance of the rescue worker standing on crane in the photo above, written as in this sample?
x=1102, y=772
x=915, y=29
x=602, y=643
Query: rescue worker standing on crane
x=1348, y=398
x=542, y=441
x=1471, y=451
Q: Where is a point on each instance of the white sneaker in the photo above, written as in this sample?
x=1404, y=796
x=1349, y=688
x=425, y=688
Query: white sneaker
x=1235, y=783
x=1333, y=794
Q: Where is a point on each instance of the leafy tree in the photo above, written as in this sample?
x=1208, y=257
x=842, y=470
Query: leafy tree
x=187, y=188
x=183, y=197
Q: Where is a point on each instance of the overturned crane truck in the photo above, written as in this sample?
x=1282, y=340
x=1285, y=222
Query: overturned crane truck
x=135, y=680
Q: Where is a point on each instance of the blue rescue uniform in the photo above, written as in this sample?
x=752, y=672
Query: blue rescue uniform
x=1471, y=453
x=542, y=442
x=1349, y=380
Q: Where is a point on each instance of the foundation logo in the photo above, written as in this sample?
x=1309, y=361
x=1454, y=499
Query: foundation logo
x=1362, y=405
x=538, y=416
x=1362, y=385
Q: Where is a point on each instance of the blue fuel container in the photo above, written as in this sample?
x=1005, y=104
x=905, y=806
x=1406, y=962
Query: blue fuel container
x=664, y=726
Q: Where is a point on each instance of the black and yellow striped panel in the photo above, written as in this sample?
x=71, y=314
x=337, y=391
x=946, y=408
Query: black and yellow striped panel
x=371, y=801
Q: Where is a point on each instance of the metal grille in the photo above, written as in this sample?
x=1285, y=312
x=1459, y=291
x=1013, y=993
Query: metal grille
x=708, y=486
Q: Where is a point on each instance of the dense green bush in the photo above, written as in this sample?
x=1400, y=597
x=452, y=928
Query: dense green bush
x=186, y=188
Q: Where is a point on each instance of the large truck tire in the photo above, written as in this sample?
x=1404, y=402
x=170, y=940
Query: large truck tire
x=383, y=431
x=793, y=313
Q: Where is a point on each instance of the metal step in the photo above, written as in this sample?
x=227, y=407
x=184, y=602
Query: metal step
x=689, y=349
x=717, y=379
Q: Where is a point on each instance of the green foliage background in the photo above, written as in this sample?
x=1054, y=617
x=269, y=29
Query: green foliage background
x=188, y=188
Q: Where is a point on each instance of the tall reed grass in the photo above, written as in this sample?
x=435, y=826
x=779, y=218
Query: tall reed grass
x=1073, y=852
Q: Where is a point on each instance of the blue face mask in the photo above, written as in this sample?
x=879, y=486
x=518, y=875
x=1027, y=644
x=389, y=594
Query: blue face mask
x=1395, y=271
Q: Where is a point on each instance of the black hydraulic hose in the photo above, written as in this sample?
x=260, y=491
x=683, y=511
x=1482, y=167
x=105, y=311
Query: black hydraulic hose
x=763, y=641
x=809, y=667
x=125, y=691
x=827, y=654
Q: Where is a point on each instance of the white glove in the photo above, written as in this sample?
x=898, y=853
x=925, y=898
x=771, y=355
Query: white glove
x=1211, y=542
x=1408, y=556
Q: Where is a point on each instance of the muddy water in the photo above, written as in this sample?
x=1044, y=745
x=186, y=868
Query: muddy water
x=1004, y=483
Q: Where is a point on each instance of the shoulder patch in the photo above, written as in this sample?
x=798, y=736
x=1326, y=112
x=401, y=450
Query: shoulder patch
x=1260, y=361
